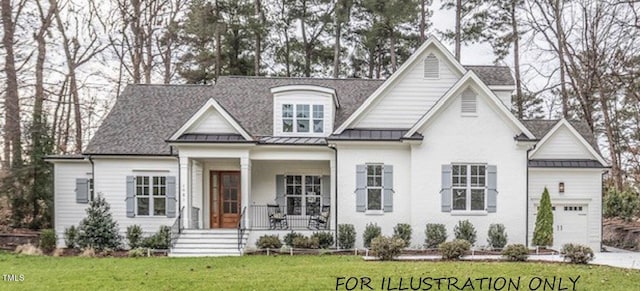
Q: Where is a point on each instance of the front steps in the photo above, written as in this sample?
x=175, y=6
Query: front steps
x=207, y=243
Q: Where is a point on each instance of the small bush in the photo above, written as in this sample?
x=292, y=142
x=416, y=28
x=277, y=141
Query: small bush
x=99, y=230
x=134, y=236
x=435, y=234
x=455, y=249
x=543, y=231
x=496, y=236
x=28, y=249
x=137, y=252
x=577, y=254
x=325, y=239
x=71, y=237
x=289, y=237
x=387, y=248
x=304, y=242
x=47, y=240
x=515, y=253
x=370, y=232
x=346, y=236
x=269, y=242
x=403, y=231
x=623, y=204
x=465, y=230
x=159, y=241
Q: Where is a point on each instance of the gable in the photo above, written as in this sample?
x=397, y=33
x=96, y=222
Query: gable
x=211, y=121
x=404, y=101
x=562, y=144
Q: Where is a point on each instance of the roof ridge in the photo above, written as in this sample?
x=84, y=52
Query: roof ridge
x=300, y=78
x=487, y=66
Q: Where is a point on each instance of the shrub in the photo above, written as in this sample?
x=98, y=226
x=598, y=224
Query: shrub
x=623, y=204
x=134, y=236
x=496, y=236
x=71, y=237
x=98, y=230
x=160, y=240
x=47, y=240
x=465, y=230
x=325, y=239
x=289, y=237
x=137, y=252
x=543, y=231
x=455, y=249
x=28, y=249
x=304, y=242
x=515, y=253
x=435, y=234
x=387, y=248
x=346, y=236
x=370, y=232
x=403, y=231
x=577, y=254
x=269, y=242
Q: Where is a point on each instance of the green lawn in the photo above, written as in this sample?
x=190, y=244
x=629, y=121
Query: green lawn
x=291, y=273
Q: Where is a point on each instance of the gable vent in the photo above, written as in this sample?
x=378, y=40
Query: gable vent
x=469, y=102
x=431, y=67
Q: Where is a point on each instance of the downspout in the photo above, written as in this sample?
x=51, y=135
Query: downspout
x=93, y=176
x=179, y=192
x=335, y=152
x=602, y=206
x=526, y=234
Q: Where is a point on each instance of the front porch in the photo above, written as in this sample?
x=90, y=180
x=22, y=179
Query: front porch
x=289, y=190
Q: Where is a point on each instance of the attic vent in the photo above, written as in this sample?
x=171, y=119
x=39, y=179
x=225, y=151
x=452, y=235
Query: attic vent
x=431, y=67
x=469, y=103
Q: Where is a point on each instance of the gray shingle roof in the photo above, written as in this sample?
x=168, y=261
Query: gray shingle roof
x=540, y=127
x=374, y=134
x=546, y=163
x=144, y=116
x=493, y=75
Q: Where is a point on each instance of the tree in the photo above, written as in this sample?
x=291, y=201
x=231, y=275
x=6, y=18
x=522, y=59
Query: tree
x=99, y=230
x=470, y=22
x=198, y=64
x=425, y=14
x=12, y=131
x=543, y=232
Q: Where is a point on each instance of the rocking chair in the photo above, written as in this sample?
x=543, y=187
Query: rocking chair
x=320, y=221
x=277, y=219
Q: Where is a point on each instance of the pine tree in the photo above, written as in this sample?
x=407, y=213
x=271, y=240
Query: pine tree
x=99, y=230
x=543, y=233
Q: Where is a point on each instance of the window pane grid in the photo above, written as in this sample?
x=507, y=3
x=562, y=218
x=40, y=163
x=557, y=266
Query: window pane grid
x=151, y=195
x=374, y=187
x=303, y=118
x=468, y=187
x=299, y=202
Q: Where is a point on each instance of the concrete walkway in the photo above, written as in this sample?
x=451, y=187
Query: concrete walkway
x=613, y=257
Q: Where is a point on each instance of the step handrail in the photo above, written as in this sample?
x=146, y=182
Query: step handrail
x=241, y=228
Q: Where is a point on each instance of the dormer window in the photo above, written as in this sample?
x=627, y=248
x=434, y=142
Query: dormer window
x=298, y=118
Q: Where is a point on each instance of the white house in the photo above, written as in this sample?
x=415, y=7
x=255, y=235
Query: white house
x=434, y=143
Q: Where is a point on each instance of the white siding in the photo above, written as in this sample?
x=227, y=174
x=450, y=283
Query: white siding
x=582, y=186
x=504, y=96
x=562, y=145
x=211, y=122
x=303, y=97
x=397, y=155
x=110, y=181
x=486, y=138
x=404, y=102
x=66, y=211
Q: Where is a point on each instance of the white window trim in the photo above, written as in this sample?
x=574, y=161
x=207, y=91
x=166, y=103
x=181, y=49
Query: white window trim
x=302, y=196
x=151, y=197
x=294, y=119
x=366, y=190
x=468, y=188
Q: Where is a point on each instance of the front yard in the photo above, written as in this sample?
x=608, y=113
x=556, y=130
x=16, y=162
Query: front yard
x=296, y=273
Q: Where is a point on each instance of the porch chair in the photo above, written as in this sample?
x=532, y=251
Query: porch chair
x=320, y=221
x=277, y=219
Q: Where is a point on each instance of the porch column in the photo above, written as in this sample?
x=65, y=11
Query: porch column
x=245, y=186
x=184, y=191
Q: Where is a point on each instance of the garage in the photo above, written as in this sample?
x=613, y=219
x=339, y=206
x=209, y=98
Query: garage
x=569, y=224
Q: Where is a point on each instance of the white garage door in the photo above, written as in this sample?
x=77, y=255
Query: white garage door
x=570, y=224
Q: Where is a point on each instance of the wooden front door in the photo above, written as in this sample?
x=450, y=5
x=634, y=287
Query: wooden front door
x=225, y=206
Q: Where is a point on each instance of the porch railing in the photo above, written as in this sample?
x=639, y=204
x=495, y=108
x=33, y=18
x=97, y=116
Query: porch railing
x=175, y=228
x=241, y=228
x=260, y=219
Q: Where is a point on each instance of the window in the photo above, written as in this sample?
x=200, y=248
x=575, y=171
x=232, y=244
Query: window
x=468, y=187
x=151, y=195
x=374, y=187
x=468, y=102
x=303, y=118
x=303, y=194
x=431, y=67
